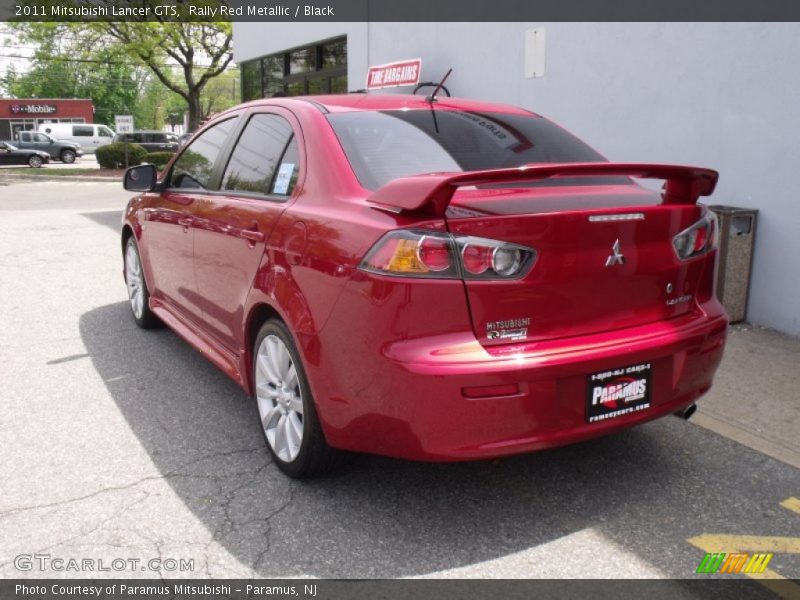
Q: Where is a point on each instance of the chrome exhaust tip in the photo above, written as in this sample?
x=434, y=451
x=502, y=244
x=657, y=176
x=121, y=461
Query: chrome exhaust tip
x=687, y=412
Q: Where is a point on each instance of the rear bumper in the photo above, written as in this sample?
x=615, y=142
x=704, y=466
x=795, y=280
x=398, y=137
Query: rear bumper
x=415, y=398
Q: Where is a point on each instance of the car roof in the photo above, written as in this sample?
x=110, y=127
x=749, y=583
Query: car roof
x=370, y=102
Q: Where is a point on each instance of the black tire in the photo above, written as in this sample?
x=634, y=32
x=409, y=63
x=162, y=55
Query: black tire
x=146, y=319
x=35, y=161
x=68, y=157
x=315, y=457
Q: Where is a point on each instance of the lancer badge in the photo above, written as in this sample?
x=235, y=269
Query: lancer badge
x=616, y=258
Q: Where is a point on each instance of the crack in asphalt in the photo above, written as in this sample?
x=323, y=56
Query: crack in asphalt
x=169, y=475
x=84, y=533
x=228, y=525
x=267, y=534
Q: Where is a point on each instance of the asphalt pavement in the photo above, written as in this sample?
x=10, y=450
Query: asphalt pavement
x=123, y=443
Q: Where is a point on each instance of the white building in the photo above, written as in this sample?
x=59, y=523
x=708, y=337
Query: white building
x=721, y=95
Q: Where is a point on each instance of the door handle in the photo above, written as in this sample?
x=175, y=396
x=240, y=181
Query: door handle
x=252, y=235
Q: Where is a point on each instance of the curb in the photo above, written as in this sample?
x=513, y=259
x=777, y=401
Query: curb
x=34, y=178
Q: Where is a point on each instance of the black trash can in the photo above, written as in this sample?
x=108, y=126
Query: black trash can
x=737, y=230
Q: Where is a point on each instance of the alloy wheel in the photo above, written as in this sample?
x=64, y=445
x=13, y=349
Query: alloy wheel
x=133, y=277
x=280, y=399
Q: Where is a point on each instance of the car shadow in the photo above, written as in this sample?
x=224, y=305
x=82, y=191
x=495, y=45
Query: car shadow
x=110, y=218
x=380, y=517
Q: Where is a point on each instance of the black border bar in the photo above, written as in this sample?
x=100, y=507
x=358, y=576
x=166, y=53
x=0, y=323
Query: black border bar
x=723, y=588
x=285, y=11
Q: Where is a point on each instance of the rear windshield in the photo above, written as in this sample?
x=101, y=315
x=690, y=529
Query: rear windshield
x=382, y=146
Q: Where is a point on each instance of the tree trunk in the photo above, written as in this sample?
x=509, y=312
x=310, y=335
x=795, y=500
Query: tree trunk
x=195, y=110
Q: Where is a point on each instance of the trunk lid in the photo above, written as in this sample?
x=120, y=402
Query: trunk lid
x=605, y=260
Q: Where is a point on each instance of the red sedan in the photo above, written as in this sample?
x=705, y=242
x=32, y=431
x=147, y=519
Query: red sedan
x=427, y=279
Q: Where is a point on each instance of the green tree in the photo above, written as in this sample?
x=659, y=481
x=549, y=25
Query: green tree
x=157, y=106
x=186, y=44
x=221, y=93
x=184, y=56
x=110, y=84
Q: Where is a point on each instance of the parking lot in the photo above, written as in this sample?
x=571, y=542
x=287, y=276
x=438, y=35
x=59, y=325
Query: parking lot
x=122, y=443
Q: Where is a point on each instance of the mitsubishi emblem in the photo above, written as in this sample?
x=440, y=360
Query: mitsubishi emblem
x=616, y=258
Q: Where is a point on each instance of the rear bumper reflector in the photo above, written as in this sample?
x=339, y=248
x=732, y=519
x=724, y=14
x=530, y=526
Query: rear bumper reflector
x=491, y=391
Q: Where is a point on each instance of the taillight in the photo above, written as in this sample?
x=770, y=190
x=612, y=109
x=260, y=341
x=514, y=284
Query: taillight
x=412, y=253
x=482, y=258
x=418, y=253
x=697, y=239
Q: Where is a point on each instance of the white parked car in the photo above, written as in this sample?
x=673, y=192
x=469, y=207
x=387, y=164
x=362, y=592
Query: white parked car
x=89, y=135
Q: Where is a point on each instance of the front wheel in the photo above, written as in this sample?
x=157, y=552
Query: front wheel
x=35, y=161
x=286, y=408
x=138, y=294
x=68, y=157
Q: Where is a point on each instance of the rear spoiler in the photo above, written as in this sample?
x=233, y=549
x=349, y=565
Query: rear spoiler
x=432, y=193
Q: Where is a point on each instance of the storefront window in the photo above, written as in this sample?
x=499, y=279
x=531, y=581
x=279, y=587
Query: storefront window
x=339, y=84
x=251, y=80
x=316, y=69
x=302, y=61
x=272, y=75
x=334, y=54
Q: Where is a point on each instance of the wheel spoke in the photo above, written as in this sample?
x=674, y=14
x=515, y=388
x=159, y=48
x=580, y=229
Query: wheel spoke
x=292, y=439
x=265, y=391
x=294, y=429
x=284, y=361
x=291, y=377
x=296, y=404
x=281, y=447
x=265, y=363
x=268, y=420
x=274, y=363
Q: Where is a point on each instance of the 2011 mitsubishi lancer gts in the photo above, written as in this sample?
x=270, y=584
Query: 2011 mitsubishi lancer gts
x=431, y=279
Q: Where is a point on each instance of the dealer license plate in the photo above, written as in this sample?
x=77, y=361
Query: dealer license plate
x=616, y=392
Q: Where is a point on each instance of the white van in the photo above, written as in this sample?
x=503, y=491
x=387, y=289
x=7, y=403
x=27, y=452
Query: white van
x=89, y=135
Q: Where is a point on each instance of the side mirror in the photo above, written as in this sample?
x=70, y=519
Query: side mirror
x=141, y=178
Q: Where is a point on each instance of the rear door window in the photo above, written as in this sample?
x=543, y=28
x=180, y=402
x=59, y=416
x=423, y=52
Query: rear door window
x=195, y=166
x=82, y=130
x=264, y=160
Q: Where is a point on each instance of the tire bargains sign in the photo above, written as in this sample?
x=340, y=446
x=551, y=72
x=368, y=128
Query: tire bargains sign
x=404, y=72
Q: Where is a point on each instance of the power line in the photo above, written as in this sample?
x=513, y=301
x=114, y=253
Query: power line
x=97, y=62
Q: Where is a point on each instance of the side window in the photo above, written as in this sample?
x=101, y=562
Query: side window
x=256, y=162
x=82, y=130
x=104, y=132
x=195, y=165
x=40, y=137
